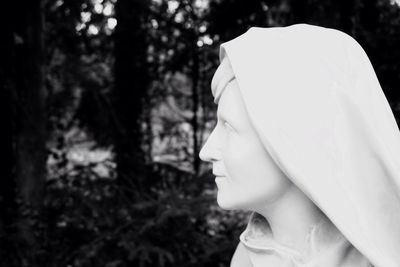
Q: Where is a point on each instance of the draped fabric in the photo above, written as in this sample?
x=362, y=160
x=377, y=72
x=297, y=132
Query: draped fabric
x=332, y=251
x=315, y=101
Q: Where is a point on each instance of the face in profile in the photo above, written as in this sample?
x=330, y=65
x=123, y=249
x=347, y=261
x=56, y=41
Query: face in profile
x=249, y=178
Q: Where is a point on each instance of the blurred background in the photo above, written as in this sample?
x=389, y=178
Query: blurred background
x=106, y=104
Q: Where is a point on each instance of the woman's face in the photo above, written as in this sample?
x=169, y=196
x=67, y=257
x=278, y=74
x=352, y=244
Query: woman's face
x=249, y=177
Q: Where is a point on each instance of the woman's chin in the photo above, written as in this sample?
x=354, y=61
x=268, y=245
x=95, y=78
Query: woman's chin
x=234, y=202
x=224, y=206
x=225, y=203
x=228, y=202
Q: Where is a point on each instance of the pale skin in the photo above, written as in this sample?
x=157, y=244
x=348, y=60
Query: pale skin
x=251, y=179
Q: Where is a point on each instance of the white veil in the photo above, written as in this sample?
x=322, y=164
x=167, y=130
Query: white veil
x=317, y=105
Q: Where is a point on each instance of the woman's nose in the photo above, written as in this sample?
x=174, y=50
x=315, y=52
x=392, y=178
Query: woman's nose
x=209, y=151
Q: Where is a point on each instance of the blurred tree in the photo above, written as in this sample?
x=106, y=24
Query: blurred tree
x=30, y=93
x=131, y=81
x=23, y=83
x=8, y=197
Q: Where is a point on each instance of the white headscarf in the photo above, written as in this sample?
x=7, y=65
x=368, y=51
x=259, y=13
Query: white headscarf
x=317, y=105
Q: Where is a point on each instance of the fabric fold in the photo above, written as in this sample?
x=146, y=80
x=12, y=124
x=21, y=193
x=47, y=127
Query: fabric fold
x=334, y=251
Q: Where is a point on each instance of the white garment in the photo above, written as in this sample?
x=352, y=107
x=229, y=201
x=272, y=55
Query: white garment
x=314, y=99
x=333, y=250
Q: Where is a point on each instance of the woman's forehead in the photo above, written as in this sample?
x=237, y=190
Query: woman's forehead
x=230, y=102
x=227, y=97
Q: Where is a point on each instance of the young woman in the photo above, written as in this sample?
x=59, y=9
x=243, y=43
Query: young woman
x=306, y=140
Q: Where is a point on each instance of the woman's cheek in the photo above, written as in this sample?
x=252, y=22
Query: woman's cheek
x=236, y=157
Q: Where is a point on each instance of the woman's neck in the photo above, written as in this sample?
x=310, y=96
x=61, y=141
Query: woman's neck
x=292, y=218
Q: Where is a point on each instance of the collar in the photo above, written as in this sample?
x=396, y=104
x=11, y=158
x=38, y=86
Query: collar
x=325, y=240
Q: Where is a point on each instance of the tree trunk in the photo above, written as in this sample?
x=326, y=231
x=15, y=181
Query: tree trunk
x=8, y=204
x=22, y=78
x=131, y=81
x=195, y=101
x=31, y=124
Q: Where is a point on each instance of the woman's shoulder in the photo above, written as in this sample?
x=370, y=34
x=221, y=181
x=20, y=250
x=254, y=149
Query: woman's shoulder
x=240, y=257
